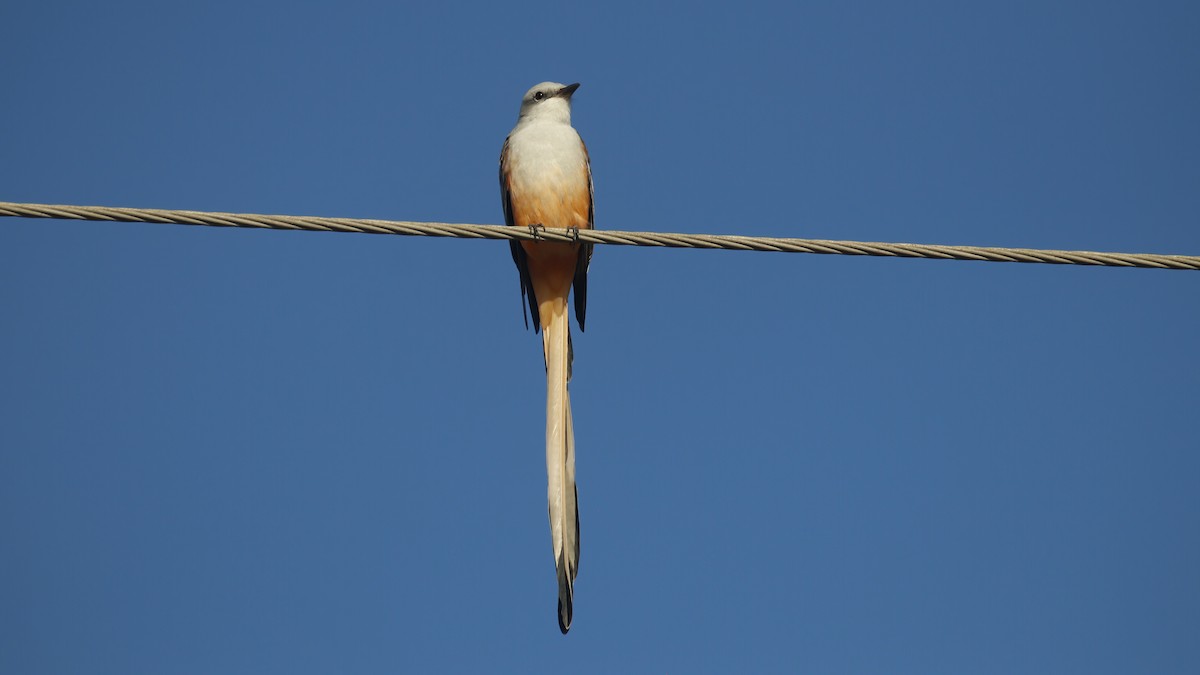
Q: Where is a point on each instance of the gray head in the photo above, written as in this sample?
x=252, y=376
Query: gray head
x=548, y=101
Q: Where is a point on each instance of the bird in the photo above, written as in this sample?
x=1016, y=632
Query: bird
x=546, y=182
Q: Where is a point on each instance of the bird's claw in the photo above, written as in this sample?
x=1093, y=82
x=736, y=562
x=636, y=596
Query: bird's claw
x=573, y=231
x=535, y=230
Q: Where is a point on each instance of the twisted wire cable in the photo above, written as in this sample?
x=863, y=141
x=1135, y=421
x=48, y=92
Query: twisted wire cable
x=612, y=237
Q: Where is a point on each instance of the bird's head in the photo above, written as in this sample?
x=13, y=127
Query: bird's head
x=548, y=101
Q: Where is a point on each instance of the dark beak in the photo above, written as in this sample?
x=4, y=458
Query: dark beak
x=566, y=91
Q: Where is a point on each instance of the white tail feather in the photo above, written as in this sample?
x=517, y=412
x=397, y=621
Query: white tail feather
x=560, y=462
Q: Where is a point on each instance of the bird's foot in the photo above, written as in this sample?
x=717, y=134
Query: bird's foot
x=535, y=230
x=573, y=231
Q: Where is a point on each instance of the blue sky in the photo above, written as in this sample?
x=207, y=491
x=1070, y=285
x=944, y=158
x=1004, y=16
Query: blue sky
x=271, y=452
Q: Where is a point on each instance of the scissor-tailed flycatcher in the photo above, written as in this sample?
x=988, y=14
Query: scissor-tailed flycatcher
x=546, y=181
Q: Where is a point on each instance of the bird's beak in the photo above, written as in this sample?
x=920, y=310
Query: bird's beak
x=566, y=91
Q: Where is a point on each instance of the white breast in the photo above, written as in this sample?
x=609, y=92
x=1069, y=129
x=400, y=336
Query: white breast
x=546, y=155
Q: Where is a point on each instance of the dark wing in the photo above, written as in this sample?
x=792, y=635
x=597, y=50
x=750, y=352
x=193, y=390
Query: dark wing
x=585, y=250
x=518, y=253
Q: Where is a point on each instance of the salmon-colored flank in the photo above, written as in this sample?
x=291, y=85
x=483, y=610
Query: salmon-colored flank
x=552, y=264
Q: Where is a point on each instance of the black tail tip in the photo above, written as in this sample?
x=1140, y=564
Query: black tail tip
x=566, y=593
x=564, y=616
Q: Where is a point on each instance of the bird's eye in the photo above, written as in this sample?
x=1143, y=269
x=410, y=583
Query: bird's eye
x=538, y=96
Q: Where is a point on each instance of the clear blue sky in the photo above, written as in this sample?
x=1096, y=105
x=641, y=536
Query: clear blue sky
x=269, y=452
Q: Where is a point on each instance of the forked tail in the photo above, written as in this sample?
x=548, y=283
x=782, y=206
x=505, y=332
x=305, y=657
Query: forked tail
x=560, y=461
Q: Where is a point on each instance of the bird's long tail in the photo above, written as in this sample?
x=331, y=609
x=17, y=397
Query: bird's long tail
x=560, y=459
